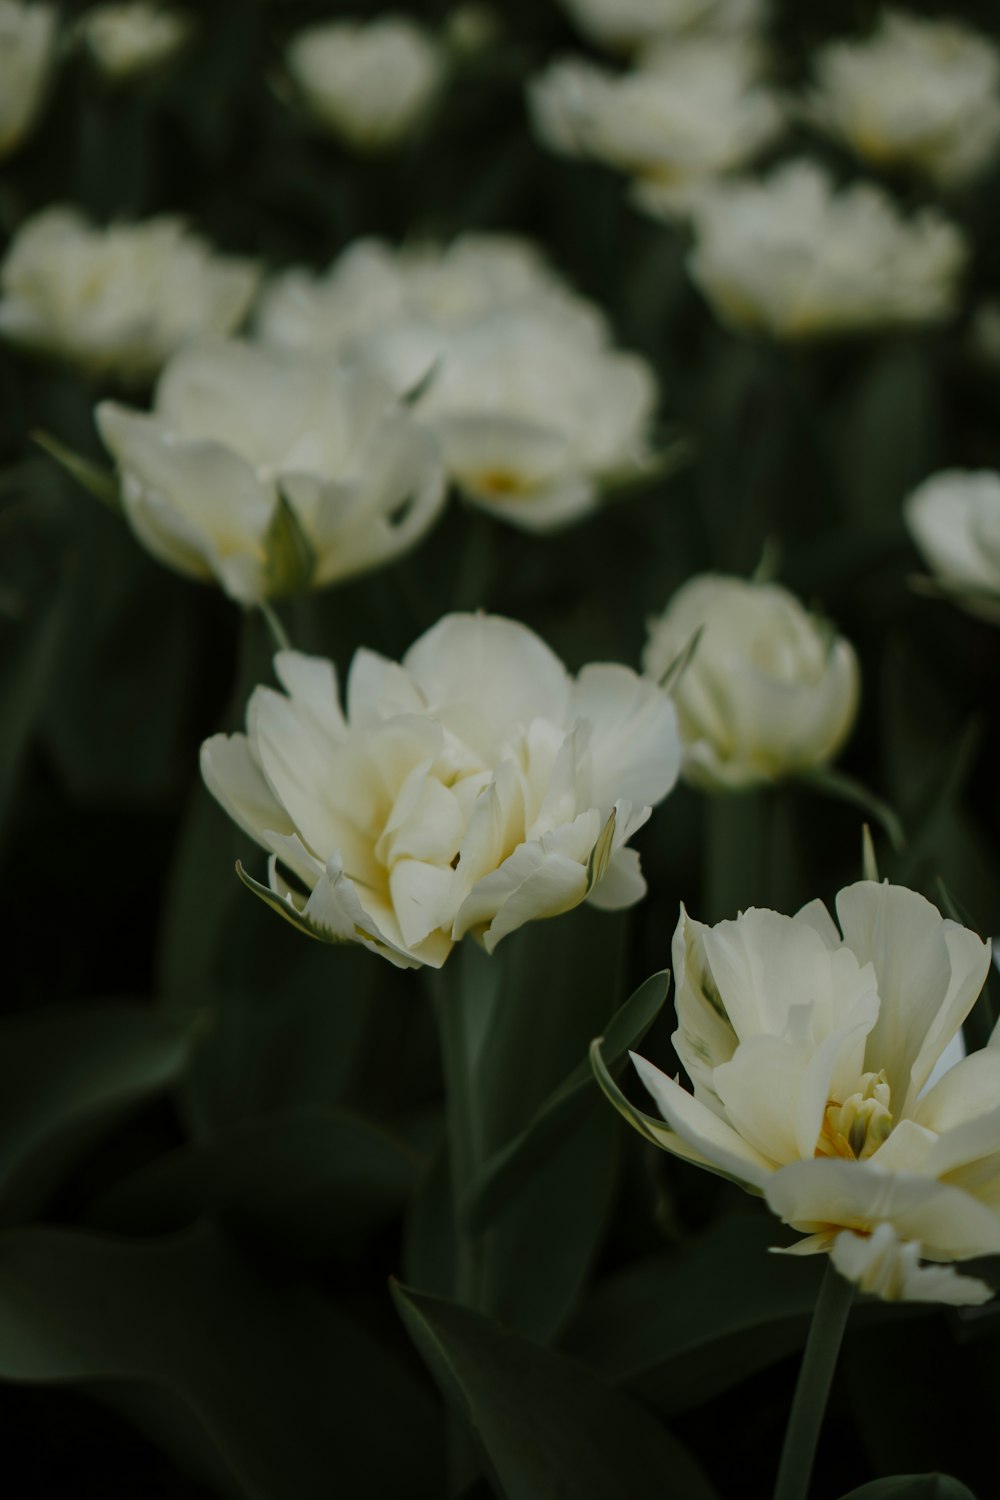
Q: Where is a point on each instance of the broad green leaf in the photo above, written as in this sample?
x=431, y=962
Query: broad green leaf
x=309, y=1182
x=507, y=1169
x=680, y=1327
x=97, y=481
x=65, y=1077
x=913, y=1487
x=290, y=559
x=292, y=1393
x=547, y=1425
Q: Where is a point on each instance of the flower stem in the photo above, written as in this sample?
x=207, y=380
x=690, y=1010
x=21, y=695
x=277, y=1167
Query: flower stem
x=815, y=1378
x=278, y=633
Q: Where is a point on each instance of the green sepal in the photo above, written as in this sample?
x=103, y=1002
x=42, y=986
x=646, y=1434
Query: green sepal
x=101, y=483
x=290, y=564
x=284, y=908
x=675, y=671
x=500, y=1176
x=600, y=855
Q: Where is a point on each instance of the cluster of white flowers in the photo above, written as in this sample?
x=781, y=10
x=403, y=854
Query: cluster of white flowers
x=131, y=39
x=921, y=94
x=810, y=1051
x=535, y=411
x=471, y=788
x=793, y=258
x=117, y=301
x=370, y=84
x=27, y=52
x=769, y=689
x=688, y=113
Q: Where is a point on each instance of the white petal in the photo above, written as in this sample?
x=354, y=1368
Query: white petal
x=235, y=781
x=709, y=1135
x=635, y=745
x=969, y=1089
x=312, y=682
x=886, y=1266
x=622, y=884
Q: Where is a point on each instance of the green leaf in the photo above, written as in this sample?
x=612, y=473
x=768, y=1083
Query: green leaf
x=913, y=1487
x=101, y=483
x=291, y=1392
x=507, y=1169
x=833, y=783
x=65, y=1077
x=310, y=1182
x=290, y=560
x=25, y=672
x=681, y=1327
x=547, y=1426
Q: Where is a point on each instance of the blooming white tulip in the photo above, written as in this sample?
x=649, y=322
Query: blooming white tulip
x=954, y=518
x=117, y=301
x=368, y=83
x=271, y=471
x=512, y=371
x=629, y=23
x=27, y=49
x=809, y=1051
x=690, y=112
x=793, y=258
x=130, y=39
x=917, y=93
x=372, y=288
x=471, y=788
x=770, y=689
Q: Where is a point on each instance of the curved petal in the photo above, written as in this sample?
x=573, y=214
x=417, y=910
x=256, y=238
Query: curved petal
x=311, y=681
x=970, y=963
x=969, y=1089
x=712, y=1137
x=887, y=1267
x=621, y=885
x=635, y=745
x=540, y=879
x=235, y=781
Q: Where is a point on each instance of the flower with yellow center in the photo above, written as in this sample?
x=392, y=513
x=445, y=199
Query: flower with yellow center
x=810, y=1051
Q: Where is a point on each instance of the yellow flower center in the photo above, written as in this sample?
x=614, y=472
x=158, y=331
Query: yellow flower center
x=856, y=1128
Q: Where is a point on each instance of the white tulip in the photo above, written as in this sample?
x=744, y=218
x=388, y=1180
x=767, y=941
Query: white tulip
x=689, y=113
x=471, y=788
x=27, y=51
x=809, y=1051
x=792, y=258
x=271, y=471
x=954, y=519
x=770, y=690
x=368, y=83
x=624, y=24
x=117, y=301
x=917, y=93
x=131, y=39
x=372, y=288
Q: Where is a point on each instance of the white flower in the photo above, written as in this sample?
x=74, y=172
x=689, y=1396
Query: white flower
x=770, y=690
x=117, y=301
x=372, y=288
x=130, y=39
x=271, y=471
x=533, y=418
x=954, y=518
x=27, y=49
x=793, y=258
x=470, y=789
x=809, y=1054
x=917, y=93
x=368, y=83
x=690, y=112
x=513, y=371
x=631, y=23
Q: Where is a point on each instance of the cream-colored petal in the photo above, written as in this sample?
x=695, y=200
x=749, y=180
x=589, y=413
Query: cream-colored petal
x=888, y=1267
x=703, y=1130
x=970, y=962
x=635, y=747
x=235, y=781
x=969, y=1089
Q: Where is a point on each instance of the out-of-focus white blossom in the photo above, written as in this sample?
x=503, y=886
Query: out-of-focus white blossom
x=130, y=39
x=918, y=93
x=809, y=1050
x=27, y=49
x=692, y=111
x=954, y=519
x=270, y=471
x=514, y=373
x=370, y=83
x=792, y=257
x=769, y=690
x=117, y=301
x=471, y=788
x=624, y=24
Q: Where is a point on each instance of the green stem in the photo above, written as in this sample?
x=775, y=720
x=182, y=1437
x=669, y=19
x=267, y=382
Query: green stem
x=815, y=1378
x=735, y=845
x=279, y=635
